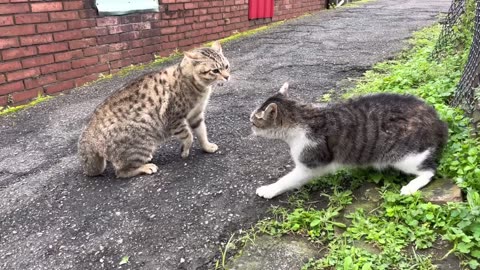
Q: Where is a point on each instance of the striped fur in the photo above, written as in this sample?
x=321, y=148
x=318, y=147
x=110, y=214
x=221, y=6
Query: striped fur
x=382, y=130
x=129, y=125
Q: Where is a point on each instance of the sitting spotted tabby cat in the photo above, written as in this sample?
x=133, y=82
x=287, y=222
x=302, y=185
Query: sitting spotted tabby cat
x=129, y=125
x=381, y=130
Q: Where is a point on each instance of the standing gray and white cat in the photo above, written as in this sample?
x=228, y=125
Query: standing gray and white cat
x=381, y=130
x=129, y=125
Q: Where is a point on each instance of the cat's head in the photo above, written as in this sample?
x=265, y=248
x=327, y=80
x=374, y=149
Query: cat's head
x=207, y=65
x=274, y=118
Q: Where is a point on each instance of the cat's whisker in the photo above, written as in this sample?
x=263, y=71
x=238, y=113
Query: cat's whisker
x=251, y=137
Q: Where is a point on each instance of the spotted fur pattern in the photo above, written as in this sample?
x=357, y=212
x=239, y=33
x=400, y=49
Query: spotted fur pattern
x=130, y=124
x=382, y=130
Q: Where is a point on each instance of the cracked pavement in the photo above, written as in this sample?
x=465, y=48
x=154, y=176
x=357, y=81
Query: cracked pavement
x=53, y=217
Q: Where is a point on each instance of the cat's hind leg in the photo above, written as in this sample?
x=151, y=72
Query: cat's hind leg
x=93, y=164
x=126, y=172
x=132, y=159
x=419, y=164
x=183, y=132
x=133, y=165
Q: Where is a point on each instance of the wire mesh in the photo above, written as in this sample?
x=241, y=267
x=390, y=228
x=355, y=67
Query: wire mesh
x=457, y=8
x=469, y=83
x=467, y=93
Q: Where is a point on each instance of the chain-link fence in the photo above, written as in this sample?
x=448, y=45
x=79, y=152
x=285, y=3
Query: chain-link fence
x=469, y=83
x=468, y=89
x=447, y=35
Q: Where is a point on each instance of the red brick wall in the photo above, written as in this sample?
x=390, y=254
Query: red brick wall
x=48, y=47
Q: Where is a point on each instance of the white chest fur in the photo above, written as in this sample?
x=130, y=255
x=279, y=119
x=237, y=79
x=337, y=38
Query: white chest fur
x=201, y=104
x=298, y=141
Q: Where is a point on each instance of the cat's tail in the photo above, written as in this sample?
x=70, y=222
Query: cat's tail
x=92, y=162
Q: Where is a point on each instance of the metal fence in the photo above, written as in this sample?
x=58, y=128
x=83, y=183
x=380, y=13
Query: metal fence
x=467, y=94
x=448, y=35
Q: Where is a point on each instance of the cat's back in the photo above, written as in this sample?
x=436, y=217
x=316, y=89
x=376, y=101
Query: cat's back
x=394, y=109
x=135, y=102
x=388, y=102
x=384, y=127
x=132, y=96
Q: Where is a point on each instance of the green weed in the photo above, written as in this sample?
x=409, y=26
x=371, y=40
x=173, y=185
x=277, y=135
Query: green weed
x=238, y=35
x=319, y=225
x=124, y=260
x=222, y=262
x=235, y=244
x=9, y=110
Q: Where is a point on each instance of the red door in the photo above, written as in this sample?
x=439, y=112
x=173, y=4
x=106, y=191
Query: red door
x=258, y=9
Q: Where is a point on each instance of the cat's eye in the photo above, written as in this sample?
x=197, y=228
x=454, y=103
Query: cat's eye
x=226, y=67
x=216, y=70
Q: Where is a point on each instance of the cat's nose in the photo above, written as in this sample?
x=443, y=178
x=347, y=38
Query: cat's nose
x=226, y=77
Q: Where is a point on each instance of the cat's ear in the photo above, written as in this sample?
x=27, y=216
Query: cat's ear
x=271, y=111
x=217, y=46
x=193, y=55
x=284, y=89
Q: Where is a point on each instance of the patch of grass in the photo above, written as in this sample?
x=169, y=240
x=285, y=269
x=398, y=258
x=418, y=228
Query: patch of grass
x=345, y=255
x=358, y=3
x=402, y=222
x=352, y=4
x=9, y=110
x=222, y=262
x=124, y=260
x=159, y=60
x=319, y=225
x=235, y=244
x=239, y=35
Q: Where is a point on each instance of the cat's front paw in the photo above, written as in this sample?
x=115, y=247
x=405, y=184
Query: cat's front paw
x=185, y=153
x=210, y=148
x=267, y=192
x=408, y=190
x=149, y=168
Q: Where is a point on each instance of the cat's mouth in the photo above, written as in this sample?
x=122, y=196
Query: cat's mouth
x=254, y=131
